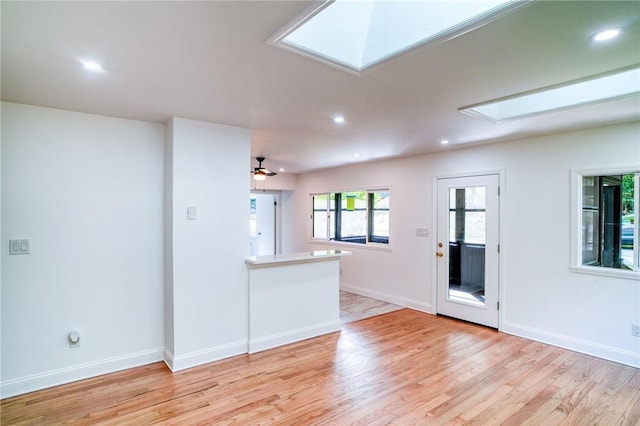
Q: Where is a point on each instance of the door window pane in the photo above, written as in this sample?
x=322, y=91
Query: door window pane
x=452, y=226
x=475, y=198
x=467, y=237
x=467, y=214
x=474, y=227
x=252, y=216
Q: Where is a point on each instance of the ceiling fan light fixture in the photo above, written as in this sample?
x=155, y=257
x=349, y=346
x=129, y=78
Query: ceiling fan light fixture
x=261, y=173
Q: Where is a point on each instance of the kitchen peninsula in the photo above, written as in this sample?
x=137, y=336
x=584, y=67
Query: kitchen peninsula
x=293, y=297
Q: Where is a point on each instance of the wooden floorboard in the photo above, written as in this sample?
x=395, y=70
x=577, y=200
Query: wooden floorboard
x=400, y=368
x=354, y=307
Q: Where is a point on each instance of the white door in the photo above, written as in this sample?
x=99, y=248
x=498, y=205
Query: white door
x=467, y=248
x=263, y=224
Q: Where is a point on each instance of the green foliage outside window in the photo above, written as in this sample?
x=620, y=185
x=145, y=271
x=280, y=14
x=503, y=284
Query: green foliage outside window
x=627, y=194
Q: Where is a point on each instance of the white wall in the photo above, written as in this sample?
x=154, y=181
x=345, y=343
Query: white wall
x=209, y=164
x=169, y=319
x=1, y=239
x=88, y=191
x=542, y=299
x=279, y=182
x=92, y=194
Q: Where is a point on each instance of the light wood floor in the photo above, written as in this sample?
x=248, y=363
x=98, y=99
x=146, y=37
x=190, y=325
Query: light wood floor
x=354, y=307
x=400, y=368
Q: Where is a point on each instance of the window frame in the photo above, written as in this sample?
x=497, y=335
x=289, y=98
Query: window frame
x=327, y=219
x=576, y=223
x=340, y=197
x=369, y=241
x=371, y=237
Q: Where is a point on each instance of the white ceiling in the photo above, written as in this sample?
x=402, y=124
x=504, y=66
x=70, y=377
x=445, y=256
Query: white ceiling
x=209, y=61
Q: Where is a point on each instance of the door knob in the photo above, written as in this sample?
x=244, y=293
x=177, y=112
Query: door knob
x=439, y=254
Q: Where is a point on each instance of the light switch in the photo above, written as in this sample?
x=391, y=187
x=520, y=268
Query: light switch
x=19, y=246
x=422, y=232
x=14, y=247
x=191, y=213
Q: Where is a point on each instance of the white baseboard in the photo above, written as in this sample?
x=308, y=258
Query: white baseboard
x=167, y=357
x=193, y=359
x=389, y=298
x=567, y=342
x=268, y=342
x=578, y=345
x=61, y=376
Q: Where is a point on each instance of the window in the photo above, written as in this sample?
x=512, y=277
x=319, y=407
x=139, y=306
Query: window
x=320, y=216
x=360, y=217
x=607, y=222
x=379, y=217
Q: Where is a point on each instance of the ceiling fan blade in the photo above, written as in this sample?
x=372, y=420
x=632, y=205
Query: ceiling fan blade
x=262, y=170
x=266, y=171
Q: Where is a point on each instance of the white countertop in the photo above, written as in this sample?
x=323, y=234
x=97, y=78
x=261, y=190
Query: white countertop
x=296, y=257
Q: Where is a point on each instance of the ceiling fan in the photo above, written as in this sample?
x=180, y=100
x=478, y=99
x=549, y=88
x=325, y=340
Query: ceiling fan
x=261, y=173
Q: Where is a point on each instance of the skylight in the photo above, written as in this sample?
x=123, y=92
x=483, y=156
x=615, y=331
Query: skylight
x=595, y=89
x=358, y=34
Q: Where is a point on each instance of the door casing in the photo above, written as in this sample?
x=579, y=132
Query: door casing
x=277, y=221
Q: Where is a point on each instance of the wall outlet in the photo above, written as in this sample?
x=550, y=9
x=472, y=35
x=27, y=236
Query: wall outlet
x=74, y=339
x=192, y=213
x=635, y=330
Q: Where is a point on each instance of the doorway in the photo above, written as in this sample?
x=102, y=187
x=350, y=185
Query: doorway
x=467, y=250
x=262, y=224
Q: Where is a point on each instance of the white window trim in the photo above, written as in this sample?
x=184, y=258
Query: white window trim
x=367, y=245
x=576, y=224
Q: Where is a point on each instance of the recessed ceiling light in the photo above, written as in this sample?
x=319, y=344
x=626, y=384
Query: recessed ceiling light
x=92, y=66
x=338, y=119
x=606, y=34
x=356, y=155
x=444, y=141
x=281, y=169
x=618, y=84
